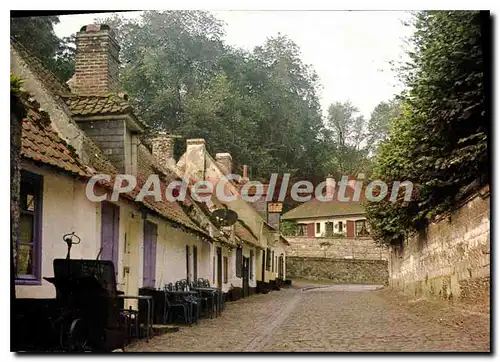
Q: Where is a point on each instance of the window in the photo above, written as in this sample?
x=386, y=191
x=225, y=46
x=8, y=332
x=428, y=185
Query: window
x=226, y=264
x=250, y=268
x=341, y=227
x=302, y=230
x=27, y=251
x=329, y=229
x=318, y=228
x=272, y=260
x=239, y=262
x=361, y=228
x=195, y=263
x=276, y=263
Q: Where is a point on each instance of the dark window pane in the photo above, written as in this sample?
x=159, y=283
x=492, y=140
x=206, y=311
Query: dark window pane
x=25, y=260
x=26, y=224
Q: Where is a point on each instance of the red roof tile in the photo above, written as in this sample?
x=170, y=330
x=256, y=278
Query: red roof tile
x=41, y=143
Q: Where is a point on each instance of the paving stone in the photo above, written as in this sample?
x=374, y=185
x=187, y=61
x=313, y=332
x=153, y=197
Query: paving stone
x=330, y=320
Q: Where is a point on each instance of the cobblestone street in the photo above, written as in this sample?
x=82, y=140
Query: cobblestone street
x=335, y=318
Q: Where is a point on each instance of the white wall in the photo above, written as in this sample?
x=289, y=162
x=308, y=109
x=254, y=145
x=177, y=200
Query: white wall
x=171, y=254
x=65, y=209
x=335, y=220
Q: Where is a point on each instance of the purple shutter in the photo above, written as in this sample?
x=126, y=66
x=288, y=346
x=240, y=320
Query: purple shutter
x=154, y=235
x=110, y=221
x=149, y=262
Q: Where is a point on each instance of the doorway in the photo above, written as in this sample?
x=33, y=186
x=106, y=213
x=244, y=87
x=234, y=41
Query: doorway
x=149, y=256
x=219, y=267
x=110, y=221
x=246, y=286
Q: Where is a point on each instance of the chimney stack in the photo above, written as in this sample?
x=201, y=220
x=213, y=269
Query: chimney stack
x=97, y=61
x=163, y=149
x=225, y=162
x=195, y=159
x=244, y=177
x=330, y=186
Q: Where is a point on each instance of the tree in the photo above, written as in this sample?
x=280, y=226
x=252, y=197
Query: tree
x=380, y=122
x=259, y=105
x=37, y=34
x=439, y=141
x=348, y=136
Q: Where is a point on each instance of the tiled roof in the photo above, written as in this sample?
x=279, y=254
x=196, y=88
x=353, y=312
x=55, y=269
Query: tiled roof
x=315, y=208
x=99, y=105
x=41, y=143
x=56, y=86
x=170, y=210
x=242, y=231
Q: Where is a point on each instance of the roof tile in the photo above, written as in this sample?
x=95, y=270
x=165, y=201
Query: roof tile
x=40, y=142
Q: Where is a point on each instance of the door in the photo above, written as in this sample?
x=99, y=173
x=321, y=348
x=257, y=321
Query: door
x=149, y=261
x=246, y=289
x=280, y=267
x=110, y=221
x=310, y=230
x=263, y=265
x=219, y=267
x=350, y=228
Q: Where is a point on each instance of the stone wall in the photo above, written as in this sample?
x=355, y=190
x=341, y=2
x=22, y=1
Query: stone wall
x=336, y=248
x=451, y=259
x=340, y=271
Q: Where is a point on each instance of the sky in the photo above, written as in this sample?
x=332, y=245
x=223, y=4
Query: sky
x=350, y=50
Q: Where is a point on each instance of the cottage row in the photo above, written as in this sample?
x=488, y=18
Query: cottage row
x=71, y=132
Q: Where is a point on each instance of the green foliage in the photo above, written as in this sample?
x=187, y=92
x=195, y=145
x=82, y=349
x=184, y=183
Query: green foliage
x=348, y=141
x=380, y=122
x=259, y=105
x=288, y=227
x=15, y=85
x=37, y=34
x=439, y=139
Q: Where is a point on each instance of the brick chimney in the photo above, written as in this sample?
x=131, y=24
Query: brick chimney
x=97, y=61
x=225, y=162
x=163, y=149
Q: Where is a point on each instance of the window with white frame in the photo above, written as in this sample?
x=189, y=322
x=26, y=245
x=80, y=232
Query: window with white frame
x=361, y=228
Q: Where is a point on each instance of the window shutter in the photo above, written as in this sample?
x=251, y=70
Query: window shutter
x=250, y=268
x=225, y=268
x=239, y=260
x=187, y=263
x=350, y=228
x=310, y=230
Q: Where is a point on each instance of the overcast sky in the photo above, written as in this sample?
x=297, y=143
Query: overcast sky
x=350, y=51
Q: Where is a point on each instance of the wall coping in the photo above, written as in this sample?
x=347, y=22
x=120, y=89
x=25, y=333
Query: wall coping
x=321, y=258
